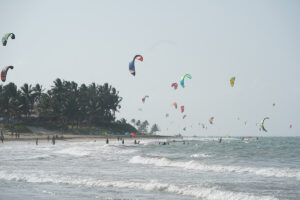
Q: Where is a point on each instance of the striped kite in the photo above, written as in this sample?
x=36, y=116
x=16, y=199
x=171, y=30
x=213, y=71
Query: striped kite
x=132, y=64
x=4, y=72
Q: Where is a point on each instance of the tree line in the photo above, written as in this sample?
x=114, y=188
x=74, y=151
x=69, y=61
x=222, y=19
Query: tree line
x=142, y=127
x=65, y=104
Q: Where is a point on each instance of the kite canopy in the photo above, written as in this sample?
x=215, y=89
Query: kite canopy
x=291, y=126
x=144, y=98
x=232, y=80
x=274, y=104
x=262, y=127
x=6, y=36
x=127, y=134
x=183, y=77
x=167, y=115
x=175, y=105
x=184, y=116
x=4, y=72
x=182, y=108
x=133, y=134
x=174, y=85
x=132, y=64
x=211, y=120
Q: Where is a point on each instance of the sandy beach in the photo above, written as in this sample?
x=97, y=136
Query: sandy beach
x=43, y=134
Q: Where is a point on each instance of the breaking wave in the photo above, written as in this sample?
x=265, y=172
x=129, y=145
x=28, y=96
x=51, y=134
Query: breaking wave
x=193, y=165
x=155, y=186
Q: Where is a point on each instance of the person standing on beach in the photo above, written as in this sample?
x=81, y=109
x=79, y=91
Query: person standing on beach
x=122, y=141
x=107, y=141
x=37, y=141
x=53, y=140
x=2, y=137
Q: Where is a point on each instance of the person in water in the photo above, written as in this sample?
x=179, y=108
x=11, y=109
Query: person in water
x=220, y=140
x=122, y=141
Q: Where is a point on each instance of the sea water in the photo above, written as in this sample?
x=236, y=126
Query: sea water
x=199, y=168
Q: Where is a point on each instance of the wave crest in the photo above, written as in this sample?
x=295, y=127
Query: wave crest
x=193, y=165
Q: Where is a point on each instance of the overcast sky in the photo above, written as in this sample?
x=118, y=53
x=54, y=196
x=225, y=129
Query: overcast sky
x=93, y=41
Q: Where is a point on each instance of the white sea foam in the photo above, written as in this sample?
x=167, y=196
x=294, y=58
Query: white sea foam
x=113, y=149
x=200, y=155
x=74, y=151
x=193, y=165
x=212, y=193
x=39, y=157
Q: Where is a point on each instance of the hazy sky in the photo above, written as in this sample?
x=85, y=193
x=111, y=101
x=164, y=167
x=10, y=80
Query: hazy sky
x=93, y=41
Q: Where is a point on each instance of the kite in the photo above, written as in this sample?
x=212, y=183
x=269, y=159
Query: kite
x=4, y=72
x=183, y=77
x=167, y=115
x=133, y=134
x=127, y=134
x=182, y=108
x=184, y=116
x=6, y=36
x=274, y=104
x=132, y=64
x=175, y=105
x=291, y=126
x=144, y=98
x=211, y=120
x=232, y=80
x=262, y=127
x=174, y=85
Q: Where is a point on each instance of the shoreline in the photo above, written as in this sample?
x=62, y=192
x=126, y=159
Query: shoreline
x=76, y=137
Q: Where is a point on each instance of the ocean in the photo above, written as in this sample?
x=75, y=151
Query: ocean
x=199, y=168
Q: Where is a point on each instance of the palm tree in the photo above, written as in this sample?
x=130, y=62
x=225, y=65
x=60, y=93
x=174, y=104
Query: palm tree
x=27, y=99
x=10, y=101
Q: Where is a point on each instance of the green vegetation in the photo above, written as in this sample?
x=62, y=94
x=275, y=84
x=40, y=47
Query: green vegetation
x=15, y=127
x=142, y=127
x=84, y=109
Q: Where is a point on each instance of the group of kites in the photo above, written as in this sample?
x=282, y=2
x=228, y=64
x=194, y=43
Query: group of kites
x=4, y=42
x=132, y=70
x=175, y=86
